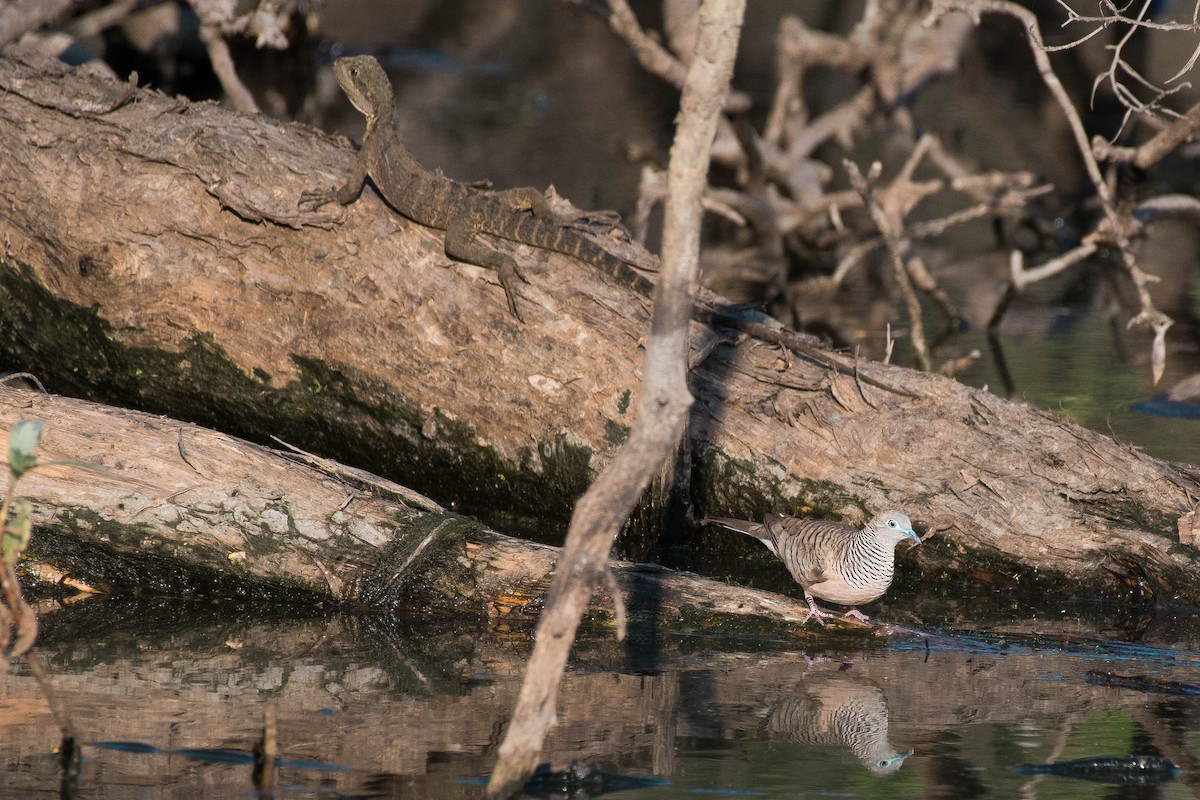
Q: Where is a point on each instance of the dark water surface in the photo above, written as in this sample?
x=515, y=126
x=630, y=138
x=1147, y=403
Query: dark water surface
x=169, y=701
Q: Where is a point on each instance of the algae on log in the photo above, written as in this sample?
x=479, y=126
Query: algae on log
x=155, y=257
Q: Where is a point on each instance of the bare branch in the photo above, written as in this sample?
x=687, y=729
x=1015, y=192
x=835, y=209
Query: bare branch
x=896, y=250
x=663, y=409
x=1022, y=277
x=222, y=64
x=1179, y=206
x=1154, y=150
x=1115, y=227
x=654, y=57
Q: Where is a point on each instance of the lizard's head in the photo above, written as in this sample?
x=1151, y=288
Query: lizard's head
x=366, y=84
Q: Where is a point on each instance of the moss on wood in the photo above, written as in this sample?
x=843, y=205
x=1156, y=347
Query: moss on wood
x=107, y=554
x=327, y=409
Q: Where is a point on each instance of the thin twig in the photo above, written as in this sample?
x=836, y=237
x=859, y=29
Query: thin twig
x=863, y=184
x=769, y=330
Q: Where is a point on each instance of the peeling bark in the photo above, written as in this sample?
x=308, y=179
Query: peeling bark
x=154, y=257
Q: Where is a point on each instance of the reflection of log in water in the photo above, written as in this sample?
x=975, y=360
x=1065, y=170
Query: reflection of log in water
x=843, y=711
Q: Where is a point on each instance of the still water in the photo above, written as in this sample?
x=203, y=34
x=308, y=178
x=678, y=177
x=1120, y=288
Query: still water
x=1080, y=363
x=169, y=701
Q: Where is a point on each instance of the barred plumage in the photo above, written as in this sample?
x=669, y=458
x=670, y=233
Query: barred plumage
x=839, y=710
x=833, y=560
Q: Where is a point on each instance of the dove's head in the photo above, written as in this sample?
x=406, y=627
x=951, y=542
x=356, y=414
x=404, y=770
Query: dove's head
x=893, y=527
x=887, y=764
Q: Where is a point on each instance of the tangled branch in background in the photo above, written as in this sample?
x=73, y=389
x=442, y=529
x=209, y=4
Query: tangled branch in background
x=270, y=23
x=786, y=198
x=1118, y=228
x=1126, y=81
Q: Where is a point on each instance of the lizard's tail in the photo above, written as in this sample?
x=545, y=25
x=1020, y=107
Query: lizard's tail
x=561, y=239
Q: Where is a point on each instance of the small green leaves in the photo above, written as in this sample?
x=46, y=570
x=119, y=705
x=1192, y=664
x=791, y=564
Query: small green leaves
x=21, y=441
x=16, y=524
x=16, y=531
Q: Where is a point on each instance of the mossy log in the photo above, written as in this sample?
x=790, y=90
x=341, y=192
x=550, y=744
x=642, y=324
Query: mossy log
x=170, y=509
x=155, y=257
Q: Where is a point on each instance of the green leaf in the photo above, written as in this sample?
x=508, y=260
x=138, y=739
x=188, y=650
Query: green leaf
x=16, y=532
x=21, y=441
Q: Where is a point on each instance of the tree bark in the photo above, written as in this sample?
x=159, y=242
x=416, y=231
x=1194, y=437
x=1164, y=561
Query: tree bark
x=177, y=510
x=154, y=257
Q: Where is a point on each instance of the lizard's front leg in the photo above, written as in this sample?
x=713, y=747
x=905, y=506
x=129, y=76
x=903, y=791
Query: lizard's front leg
x=344, y=194
x=462, y=245
x=526, y=198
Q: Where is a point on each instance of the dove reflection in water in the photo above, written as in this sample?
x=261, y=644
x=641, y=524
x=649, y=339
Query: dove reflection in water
x=839, y=710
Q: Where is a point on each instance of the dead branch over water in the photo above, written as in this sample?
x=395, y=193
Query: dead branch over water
x=665, y=402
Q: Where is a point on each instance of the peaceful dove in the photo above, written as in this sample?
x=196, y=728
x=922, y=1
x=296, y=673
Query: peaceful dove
x=832, y=560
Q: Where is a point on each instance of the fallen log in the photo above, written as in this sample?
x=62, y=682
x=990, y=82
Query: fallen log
x=176, y=510
x=155, y=257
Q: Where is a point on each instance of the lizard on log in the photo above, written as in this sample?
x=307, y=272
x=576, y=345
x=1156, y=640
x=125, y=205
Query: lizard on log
x=519, y=215
x=463, y=212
